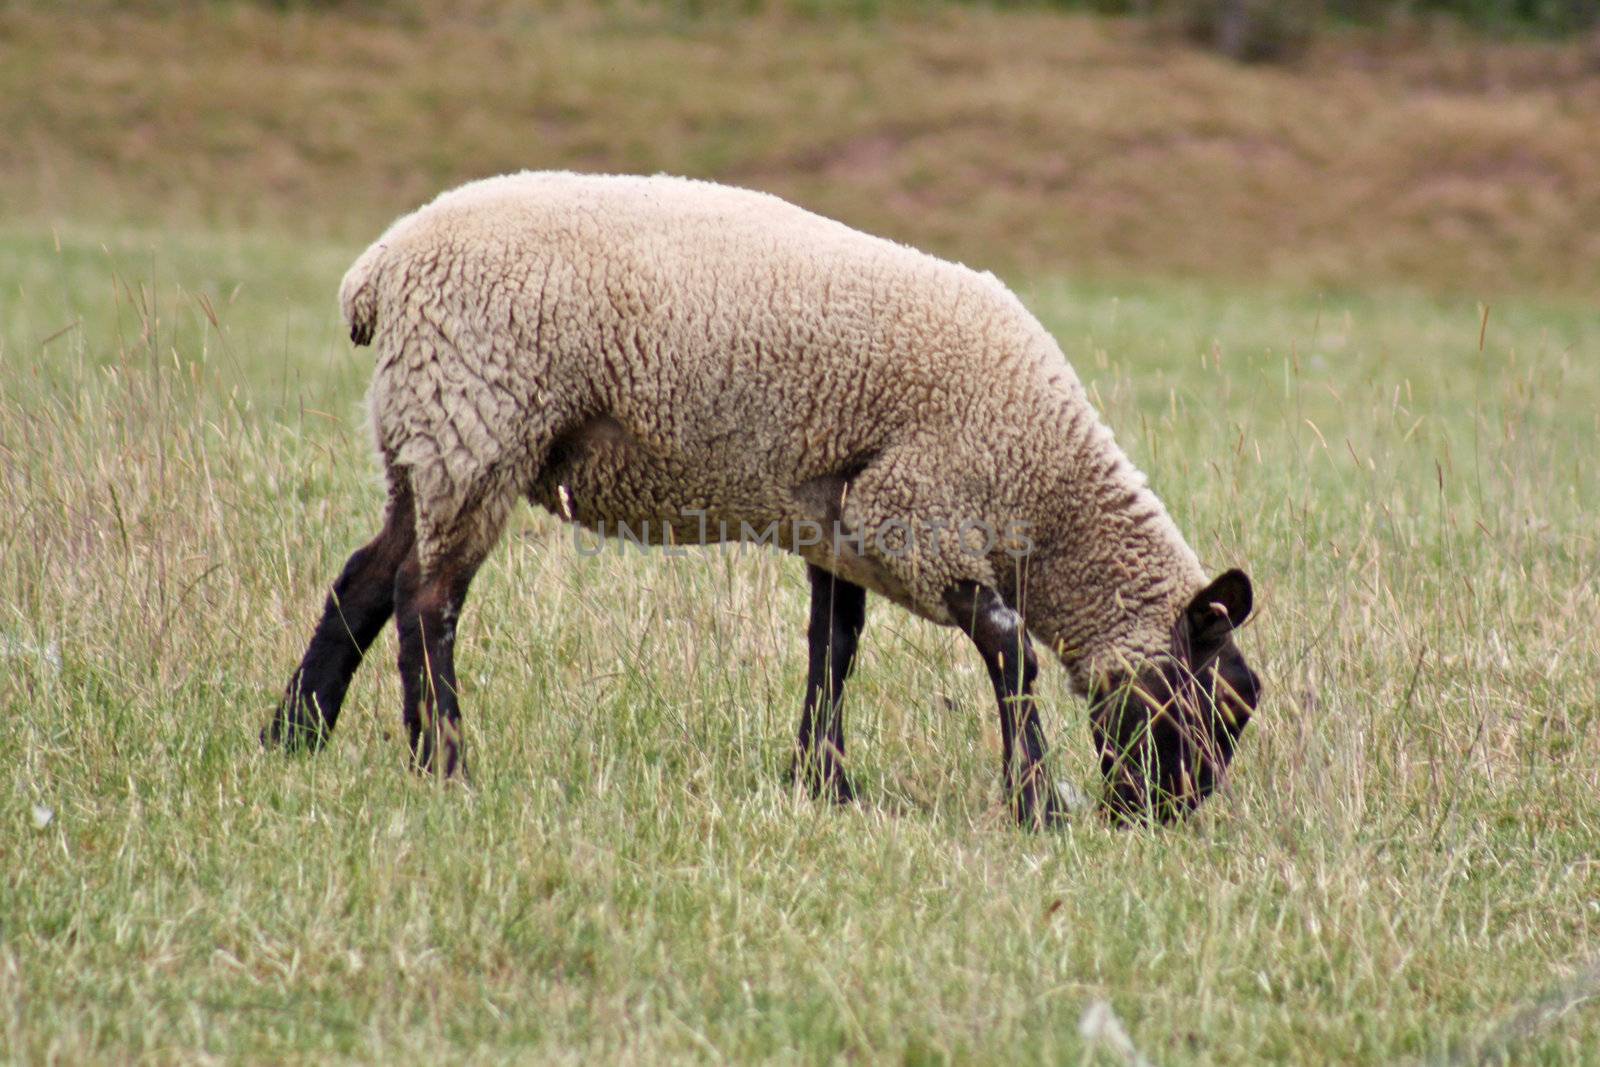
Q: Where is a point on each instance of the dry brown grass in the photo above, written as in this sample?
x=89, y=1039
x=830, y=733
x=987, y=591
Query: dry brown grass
x=1025, y=140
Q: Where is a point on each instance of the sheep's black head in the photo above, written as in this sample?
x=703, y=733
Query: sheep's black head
x=1166, y=733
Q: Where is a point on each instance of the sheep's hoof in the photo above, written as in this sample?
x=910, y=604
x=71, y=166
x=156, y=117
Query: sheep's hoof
x=292, y=732
x=443, y=757
x=839, y=790
x=823, y=782
x=1039, y=809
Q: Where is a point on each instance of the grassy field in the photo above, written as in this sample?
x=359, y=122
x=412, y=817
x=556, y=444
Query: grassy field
x=1402, y=868
x=1402, y=861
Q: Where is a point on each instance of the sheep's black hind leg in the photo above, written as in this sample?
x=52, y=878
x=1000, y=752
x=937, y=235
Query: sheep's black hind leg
x=426, y=610
x=361, y=601
x=838, y=612
x=997, y=630
x=453, y=540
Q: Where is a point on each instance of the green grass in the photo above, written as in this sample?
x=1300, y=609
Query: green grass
x=1403, y=859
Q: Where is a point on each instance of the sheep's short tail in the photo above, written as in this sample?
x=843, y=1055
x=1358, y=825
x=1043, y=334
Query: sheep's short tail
x=358, y=294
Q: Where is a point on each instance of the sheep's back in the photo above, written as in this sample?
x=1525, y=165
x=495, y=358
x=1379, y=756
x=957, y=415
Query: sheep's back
x=740, y=345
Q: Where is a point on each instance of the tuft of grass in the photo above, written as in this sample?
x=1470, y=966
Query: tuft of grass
x=1401, y=866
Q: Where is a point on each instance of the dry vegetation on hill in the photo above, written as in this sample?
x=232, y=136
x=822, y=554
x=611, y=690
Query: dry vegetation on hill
x=1025, y=140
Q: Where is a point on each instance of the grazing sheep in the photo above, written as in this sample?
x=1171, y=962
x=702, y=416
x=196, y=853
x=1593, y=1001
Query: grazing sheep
x=699, y=362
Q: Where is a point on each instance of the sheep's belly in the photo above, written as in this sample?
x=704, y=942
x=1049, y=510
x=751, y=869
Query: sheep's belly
x=657, y=507
x=600, y=480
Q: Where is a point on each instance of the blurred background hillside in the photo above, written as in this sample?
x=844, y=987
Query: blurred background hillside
x=1451, y=146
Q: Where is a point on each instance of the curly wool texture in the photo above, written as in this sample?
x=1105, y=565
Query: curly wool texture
x=682, y=354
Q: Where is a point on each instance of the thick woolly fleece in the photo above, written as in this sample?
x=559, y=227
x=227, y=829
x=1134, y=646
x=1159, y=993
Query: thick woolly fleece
x=699, y=356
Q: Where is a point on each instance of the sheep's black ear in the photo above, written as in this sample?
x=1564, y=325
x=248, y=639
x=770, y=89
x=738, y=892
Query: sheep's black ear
x=1214, y=613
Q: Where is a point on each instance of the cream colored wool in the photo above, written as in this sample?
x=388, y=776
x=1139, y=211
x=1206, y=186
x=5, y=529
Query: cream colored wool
x=647, y=348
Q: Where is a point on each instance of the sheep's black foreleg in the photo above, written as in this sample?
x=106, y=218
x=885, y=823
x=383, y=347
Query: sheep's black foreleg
x=361, y=601
x=997, y=630
x=838, y=612
x=426, y=610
